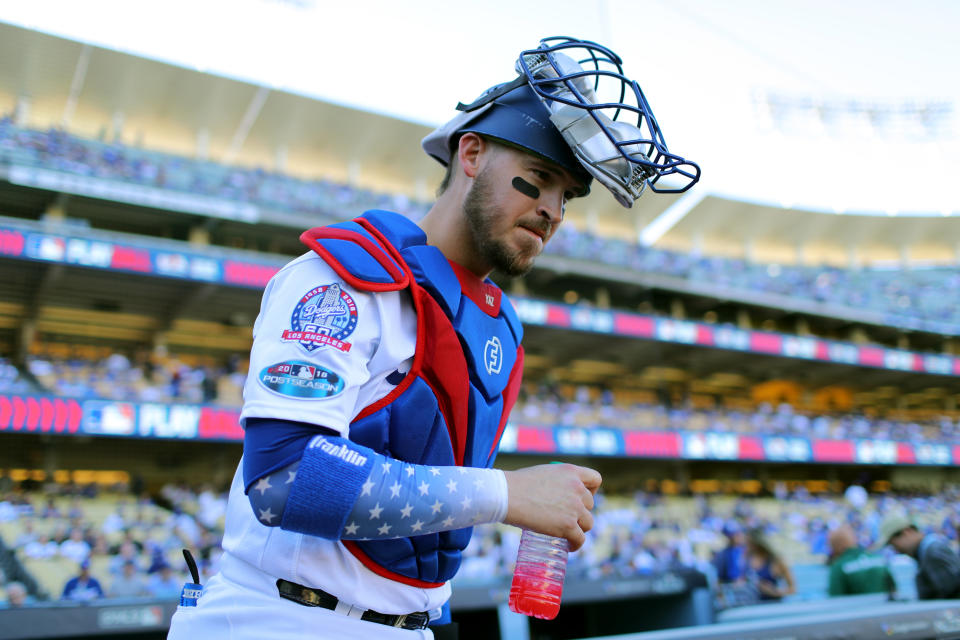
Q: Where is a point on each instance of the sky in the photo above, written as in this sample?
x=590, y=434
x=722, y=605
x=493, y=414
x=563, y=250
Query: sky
x=708, y=68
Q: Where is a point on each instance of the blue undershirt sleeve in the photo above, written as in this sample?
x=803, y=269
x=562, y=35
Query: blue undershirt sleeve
x=270, y=444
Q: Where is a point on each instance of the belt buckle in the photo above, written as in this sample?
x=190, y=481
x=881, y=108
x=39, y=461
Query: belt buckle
x=401, y=619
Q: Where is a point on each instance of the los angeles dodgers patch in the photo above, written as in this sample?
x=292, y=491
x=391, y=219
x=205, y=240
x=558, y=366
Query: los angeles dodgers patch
x=324, y=316
x=298, y=379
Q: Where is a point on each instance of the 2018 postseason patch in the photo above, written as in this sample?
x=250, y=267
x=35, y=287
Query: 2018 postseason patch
x=298, y=379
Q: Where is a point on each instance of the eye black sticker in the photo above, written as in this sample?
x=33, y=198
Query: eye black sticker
x=526, y=188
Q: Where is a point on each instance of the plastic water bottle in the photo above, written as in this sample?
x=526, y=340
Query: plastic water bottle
x=538, y=577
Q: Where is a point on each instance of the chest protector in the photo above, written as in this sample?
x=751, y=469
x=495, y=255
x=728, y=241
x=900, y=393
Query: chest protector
x=453, y=404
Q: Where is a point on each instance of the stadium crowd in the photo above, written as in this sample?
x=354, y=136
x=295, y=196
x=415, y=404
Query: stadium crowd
x=81, y=542
x=61, y=151
x=109, y=374
x=150, y=377
x=904, y=296
x=543, y=405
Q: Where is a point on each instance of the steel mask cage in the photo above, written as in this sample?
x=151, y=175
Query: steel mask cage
x=649, y=154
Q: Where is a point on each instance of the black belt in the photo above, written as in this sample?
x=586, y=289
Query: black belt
x=316, y=598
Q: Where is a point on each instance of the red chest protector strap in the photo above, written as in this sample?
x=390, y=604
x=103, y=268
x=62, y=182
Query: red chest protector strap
x=374, y=251
x=439, y=357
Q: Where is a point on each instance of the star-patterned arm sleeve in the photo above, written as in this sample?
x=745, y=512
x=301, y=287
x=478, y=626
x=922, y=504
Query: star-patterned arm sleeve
x=392, y=499
x=401, y=499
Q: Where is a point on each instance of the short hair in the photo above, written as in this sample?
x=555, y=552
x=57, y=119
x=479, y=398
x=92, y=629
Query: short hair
x=454, y=146
x=448, y=174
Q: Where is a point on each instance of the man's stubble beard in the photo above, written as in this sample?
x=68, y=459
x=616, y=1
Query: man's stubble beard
x=481, y=215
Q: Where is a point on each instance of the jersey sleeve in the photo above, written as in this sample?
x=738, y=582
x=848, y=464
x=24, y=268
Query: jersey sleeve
x=313, y=341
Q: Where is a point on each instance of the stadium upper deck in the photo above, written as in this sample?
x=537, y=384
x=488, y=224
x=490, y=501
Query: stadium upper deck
x=239, y=206
x=51, y=81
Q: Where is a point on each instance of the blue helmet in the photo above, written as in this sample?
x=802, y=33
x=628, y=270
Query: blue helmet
x=513, y=114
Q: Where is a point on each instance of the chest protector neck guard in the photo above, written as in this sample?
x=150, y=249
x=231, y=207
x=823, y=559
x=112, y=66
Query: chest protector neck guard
x=452, y=406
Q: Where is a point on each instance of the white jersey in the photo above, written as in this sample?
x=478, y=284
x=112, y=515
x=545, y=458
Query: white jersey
x=322, y=352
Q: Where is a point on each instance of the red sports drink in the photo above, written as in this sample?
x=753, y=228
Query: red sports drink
x=538, y=577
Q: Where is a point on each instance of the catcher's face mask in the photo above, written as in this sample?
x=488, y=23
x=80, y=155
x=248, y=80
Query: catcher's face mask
x=618, y=141
x=601, y=115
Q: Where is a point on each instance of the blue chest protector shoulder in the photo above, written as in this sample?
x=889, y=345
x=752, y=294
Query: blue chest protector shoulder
x=451, y=408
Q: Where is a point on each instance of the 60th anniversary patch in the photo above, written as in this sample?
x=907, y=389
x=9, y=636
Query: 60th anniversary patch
x=301, y=380
x=324, y=316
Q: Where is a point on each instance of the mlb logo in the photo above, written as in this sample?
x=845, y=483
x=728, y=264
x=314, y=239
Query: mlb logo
x=304, y=371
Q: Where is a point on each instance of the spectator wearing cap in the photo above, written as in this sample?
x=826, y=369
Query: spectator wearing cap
x=853, y=569
x=767, y=570
x=938, y=565
x=730, y=562
x=82, y=587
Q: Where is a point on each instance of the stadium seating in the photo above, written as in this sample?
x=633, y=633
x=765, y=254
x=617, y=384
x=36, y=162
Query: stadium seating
x=636, y=535
x=80, y=371
x=904, y=296
x=157, y=532
x=12, y=381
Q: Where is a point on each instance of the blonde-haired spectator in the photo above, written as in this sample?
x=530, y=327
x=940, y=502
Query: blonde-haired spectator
x=17, y=596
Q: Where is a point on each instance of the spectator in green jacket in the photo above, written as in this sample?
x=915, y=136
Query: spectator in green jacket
x=853, y=569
